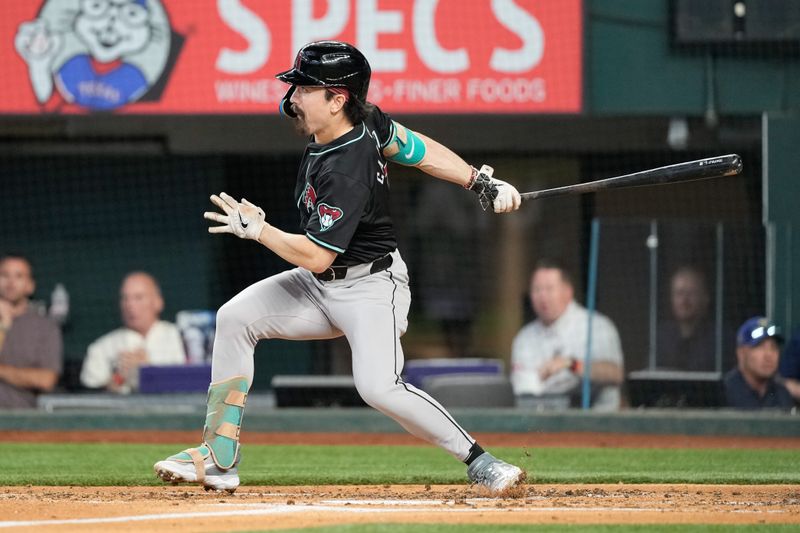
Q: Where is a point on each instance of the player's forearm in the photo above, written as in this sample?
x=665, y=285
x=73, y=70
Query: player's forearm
x=296, y=249
x=42, y=379
x=441, y=162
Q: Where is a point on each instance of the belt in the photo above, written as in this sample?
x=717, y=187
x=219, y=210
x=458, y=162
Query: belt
x=340, y=272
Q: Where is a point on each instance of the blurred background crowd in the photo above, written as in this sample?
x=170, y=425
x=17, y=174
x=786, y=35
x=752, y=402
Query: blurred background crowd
x=118, y=118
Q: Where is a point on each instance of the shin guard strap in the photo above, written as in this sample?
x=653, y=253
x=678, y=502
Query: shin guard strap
x=199, y=465
x=236, y=398
x=226, y=429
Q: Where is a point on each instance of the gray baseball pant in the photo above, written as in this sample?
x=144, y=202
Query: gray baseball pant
x=370, y=310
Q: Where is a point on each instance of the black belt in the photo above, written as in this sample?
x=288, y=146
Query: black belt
x=340, y=272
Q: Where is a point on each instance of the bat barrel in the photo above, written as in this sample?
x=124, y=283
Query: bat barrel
x=710, y=167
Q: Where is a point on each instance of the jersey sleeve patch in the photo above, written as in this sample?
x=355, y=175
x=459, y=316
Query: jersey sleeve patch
x=328, y=216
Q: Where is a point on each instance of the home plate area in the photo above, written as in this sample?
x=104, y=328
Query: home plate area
x=189, y=508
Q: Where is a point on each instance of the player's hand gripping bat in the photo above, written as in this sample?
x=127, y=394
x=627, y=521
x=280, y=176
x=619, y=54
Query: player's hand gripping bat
x=502, y=196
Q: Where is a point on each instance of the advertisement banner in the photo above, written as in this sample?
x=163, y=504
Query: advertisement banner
x=220, y=56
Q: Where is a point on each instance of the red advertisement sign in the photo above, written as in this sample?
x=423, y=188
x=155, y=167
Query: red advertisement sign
x=220, y=56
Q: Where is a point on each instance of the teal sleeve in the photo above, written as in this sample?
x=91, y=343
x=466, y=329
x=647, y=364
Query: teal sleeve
x=411, y=152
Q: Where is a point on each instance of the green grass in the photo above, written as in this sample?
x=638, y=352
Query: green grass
x=566, y=528
x=131, y=464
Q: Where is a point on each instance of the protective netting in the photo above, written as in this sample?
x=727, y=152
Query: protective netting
x=88, y=202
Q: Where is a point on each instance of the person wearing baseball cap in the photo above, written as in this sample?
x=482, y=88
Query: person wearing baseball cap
x=753, y=384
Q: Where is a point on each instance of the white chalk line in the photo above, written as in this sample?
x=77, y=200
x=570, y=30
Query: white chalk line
x=275, y=510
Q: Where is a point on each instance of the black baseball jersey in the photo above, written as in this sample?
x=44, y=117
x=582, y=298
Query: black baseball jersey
x=343, y=193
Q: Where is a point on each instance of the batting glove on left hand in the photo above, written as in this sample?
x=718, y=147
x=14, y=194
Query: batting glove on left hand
x=243, y=219
x=502, y=196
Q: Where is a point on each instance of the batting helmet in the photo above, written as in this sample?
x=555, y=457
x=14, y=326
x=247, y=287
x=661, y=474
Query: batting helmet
x=327, y=64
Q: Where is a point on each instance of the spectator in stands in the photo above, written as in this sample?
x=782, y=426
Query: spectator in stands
x=753, y=384
x=112, y=361
x=31, y=348
x=687, y=340
x=547, y=354
x=790, y=365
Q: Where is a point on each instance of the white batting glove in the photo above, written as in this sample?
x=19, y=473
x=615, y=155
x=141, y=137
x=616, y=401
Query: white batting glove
x=243, y=219
x=508, y=198
x=503, y=196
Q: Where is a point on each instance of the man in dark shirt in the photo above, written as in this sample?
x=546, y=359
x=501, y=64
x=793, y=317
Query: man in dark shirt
x=30, y=345
x=790, y=365
x=687, y=341
x=752, y=385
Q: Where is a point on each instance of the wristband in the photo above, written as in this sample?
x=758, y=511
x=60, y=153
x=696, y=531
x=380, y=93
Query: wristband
x=473, y=176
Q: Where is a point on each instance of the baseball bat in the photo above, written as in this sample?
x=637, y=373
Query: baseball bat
x=701, y=169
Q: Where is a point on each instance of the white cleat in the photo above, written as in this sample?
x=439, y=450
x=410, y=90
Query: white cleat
x=494, y=474
x=177, y=469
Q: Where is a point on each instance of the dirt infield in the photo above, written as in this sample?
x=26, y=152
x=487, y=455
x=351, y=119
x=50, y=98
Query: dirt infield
x=189, y=508
x=183, y=509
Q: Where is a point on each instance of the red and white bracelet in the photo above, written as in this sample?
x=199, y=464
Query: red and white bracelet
x=473, y=177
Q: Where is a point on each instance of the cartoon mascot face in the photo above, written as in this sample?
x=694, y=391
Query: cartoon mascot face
x=328, y=215
x=111, y=29
x=97, y=54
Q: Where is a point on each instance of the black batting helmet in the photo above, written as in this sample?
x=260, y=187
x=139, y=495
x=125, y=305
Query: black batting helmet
x=327, y=64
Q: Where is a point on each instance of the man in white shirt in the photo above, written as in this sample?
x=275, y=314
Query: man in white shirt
x=113, y=360
x=548, y=354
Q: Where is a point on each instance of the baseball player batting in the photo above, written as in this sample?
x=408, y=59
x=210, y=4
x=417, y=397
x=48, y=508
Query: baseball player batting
x=349, y=278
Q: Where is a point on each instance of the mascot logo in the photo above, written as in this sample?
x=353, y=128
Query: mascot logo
x=309, y=197
x=98, y=54
x=328, y=216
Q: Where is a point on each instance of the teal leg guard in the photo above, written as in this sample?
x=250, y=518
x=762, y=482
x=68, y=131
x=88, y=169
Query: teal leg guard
x=226, y=401
x=225, y=409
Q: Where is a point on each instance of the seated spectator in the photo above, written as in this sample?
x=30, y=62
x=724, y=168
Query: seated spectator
x=687, y=341
x=547, y=354
x=790, y=365
x=31, y=348
x=113, y=360
x=752, y=384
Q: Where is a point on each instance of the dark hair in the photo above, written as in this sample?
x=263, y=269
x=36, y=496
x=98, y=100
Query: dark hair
x=14, y=255
x=692, y=270
x=549, y=263
x=354, y=109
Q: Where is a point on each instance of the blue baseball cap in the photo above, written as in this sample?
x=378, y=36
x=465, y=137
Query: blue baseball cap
x=755, y=330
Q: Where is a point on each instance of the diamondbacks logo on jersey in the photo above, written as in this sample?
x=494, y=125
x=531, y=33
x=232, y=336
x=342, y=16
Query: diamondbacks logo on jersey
x=309, y=197
x=328, y=216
